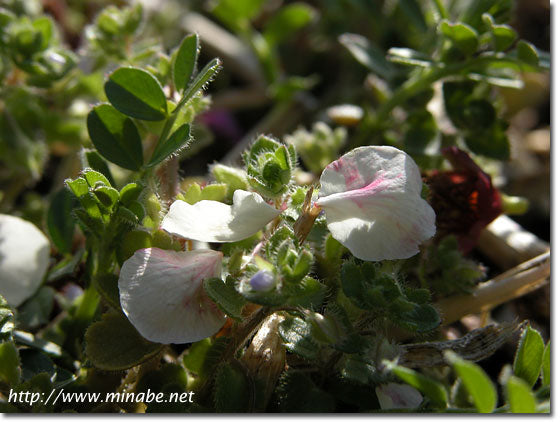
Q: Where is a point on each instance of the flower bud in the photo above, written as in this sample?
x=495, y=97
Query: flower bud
x=262, y=281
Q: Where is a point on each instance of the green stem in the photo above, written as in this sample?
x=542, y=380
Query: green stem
x=441, y=9
x=415, y=85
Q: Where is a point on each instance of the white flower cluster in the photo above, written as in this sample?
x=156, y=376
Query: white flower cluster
x=371, y=198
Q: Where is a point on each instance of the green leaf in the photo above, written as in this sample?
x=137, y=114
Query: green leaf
x=462, y=35
x=527, y=53
x=492, y=142
x=178, y=140
x=421, y=130
x=185, y=62
x=34, y=362
x=432, y=389
x=66, y=266
x=192, y=194
x=28, y=339
x=203, y=77
x=475, y=380
x=504, y=36
x=59, y=224
x=308, y=293
x=231, y=389
x=519, y=396
x=97, y=163
x=157, y=380
x=130, y=192
x=91, y=205
x=107, y=196
x=478, y=113
x=214, y=192
x=422, y=318
x=45, y=27
x=237, y=13
x=95, y=178
x=9, y=363
x=115, y=136
x=297, y=336
x=367, y=54
x=298, y=393
x=528, y=358
x=286, y=21
x=234, y=178
x=136, y=93
x=546, y=365
x=369, y=288
x=196, y=354
x=419, y=296
x=225, y=296
x=137, y=209
x=37, y=309
x=214, y=356
x=358, y=371
x=131, y=242
x=79, y=186
x=108, y=287
x=6, y=320
x=113, y=344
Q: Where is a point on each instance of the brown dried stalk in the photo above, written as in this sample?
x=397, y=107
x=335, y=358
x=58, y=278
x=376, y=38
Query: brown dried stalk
x=509, y=285
x=506, y=243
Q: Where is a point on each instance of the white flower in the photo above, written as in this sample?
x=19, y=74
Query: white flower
x=213, y=221
x=371, y=198
x=24, y=259
x=162, y=295
x=398, y=396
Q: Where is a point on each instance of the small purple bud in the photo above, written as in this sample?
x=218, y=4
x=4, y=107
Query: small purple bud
x=262, y=281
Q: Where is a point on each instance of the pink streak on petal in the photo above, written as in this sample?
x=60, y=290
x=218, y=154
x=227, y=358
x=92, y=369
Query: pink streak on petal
x=378, y=185
x=349, y=170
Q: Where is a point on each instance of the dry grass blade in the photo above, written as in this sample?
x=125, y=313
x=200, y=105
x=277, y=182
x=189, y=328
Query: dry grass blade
x=474, y=346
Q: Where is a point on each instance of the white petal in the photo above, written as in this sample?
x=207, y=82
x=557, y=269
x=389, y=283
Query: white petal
x=372, y=202
x=398, y=396
x=364, y=165
x=162, y=295
x=213, y=221
x=24, y=259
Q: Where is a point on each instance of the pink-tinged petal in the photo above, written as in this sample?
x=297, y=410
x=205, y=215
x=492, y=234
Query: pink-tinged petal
x=363, y=166
x=213, y=221
x=398, y=396
x=24, y=259
x=371, y=197
x=162, y=295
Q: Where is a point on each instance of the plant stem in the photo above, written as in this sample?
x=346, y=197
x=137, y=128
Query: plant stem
x=425, y=79
x=507, y=286
x=441, y=9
